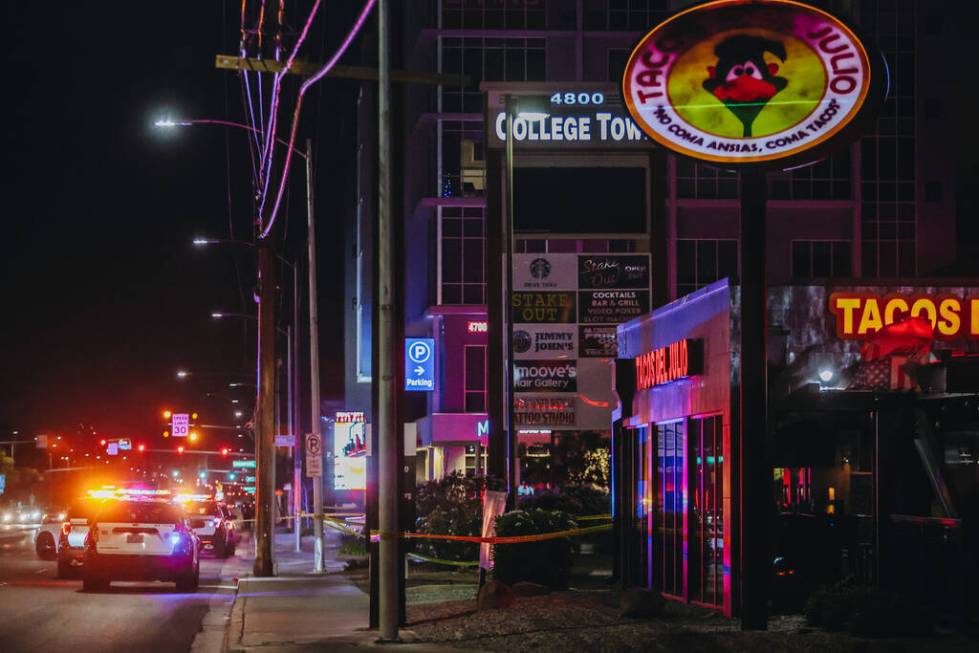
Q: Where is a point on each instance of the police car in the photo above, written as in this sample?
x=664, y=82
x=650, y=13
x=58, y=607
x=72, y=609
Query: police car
x=212, y=526
x=140, y=539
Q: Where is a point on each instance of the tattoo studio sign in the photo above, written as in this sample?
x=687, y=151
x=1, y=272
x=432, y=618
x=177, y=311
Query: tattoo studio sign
x=750, y=81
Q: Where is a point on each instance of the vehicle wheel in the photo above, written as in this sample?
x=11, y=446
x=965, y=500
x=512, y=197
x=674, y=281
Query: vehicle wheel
x=45, y=547
x=189, y=582
x=95, y=584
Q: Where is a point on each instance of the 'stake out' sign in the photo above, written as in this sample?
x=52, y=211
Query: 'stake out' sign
x=861, y=315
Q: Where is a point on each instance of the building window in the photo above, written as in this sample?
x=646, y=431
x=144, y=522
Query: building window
x=821, y=259
x=703, y=261
x=624, y=15
x=706, y=555
x=887, y=155
x=490, y=60
x=617, y=59
x=462, y=162
x=463, y=251
x=475, y=378
x=830, y=179
x=575, y=246
x=700, y=182
x=471, y=469
x=494, y=14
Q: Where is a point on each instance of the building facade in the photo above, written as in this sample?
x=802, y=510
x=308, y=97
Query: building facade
x=855, y=215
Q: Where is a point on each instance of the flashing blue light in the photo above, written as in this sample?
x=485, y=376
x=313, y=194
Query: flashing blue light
x=202, y=475
x=175, y=539
x=232, y=477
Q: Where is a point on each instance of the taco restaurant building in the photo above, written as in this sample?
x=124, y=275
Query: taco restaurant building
x=873, y=441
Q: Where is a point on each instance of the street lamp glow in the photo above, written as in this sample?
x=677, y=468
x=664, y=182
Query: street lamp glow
x=238, y=413
x=217, y=315
x=165, y=123
x=200, y=242
x=182, y=374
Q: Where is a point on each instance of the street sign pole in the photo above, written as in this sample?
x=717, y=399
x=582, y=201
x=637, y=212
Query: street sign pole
x=316, y=425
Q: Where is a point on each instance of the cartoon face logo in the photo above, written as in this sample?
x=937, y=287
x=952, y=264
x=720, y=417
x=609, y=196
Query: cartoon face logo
x=742, y=80
x=540, y=268
x=746, y=82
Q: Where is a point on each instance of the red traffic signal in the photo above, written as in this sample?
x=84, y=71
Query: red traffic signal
x=141, y=448
x=102, y=442
x=224, y=451
x=180, y=449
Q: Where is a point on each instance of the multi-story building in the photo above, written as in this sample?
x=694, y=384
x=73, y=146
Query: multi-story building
x=856, y=215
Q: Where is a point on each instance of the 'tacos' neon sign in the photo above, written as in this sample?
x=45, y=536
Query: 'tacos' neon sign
x=673, y=362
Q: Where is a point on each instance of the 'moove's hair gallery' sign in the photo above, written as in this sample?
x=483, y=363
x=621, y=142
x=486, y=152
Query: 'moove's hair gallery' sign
x=750, y=81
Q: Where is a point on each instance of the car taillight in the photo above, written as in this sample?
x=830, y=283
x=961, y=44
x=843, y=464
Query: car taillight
x=66, y=528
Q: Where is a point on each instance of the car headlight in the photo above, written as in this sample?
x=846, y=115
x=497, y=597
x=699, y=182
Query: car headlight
x=8, y=517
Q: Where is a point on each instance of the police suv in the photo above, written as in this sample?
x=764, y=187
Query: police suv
x=140, y=539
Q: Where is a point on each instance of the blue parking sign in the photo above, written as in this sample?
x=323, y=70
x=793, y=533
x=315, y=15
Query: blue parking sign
x=419, y=364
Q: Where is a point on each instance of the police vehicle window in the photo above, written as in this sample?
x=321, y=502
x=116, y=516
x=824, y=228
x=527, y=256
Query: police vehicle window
x=141, y=513
x=202, y=508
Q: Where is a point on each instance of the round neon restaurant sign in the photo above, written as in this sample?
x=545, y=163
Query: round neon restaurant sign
x=742, y=82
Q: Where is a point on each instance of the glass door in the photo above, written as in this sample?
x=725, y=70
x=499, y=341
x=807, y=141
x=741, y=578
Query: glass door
x=671, y=508
x=706, y=567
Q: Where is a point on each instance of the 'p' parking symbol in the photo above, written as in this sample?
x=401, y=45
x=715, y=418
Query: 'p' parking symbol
x=419, y=352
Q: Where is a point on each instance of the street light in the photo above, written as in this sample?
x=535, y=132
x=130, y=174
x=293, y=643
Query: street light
x=182, y=374
x=262, y=528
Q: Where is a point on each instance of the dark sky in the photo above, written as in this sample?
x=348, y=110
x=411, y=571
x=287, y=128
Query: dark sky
x=103, y=296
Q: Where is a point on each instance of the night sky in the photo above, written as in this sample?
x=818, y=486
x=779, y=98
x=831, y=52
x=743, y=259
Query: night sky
x=104, y=297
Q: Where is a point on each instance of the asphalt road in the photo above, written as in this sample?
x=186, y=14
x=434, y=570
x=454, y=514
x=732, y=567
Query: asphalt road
x=39, y=612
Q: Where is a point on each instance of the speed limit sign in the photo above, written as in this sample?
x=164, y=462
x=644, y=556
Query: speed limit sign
x=314, y=455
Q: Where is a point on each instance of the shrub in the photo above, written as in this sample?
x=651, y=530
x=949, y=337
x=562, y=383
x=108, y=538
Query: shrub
x=577, y=500
x=547, y=562
x=450, y=506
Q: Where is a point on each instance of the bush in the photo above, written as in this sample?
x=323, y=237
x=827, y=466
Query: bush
x=577, y=500
x=547, y=562
x=450, y=506
x=866, y=612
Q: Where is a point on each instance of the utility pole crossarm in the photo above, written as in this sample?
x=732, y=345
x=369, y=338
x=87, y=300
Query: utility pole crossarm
x=306, y=68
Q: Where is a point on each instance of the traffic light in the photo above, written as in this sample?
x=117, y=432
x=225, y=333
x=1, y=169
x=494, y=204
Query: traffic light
x=180, y=449
x=141, y=448
x=192, y=436
x=102, y=442
x=167, y=414
x=193, y=416
x=166, y=434
x=224, y=451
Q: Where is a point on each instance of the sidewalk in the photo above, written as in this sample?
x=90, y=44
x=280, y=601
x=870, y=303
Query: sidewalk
x=299, y=611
